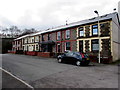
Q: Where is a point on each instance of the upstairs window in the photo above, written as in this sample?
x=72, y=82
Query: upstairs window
x=25, y=40
x=58, y=35
x=49, y=36
x=67, y=34
x=42, y=37
x=36, y=38
x=95, y=29
x=81, y=31
x=32, y=40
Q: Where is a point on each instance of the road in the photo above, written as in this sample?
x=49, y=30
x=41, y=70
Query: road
x=47, y=73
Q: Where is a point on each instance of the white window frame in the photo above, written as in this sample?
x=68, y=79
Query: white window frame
x=67, y=34
x=58, y=35
x=82, y=31
x=66, y=44
x=36, y=38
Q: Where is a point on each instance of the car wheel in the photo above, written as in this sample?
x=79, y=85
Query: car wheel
x=59, y=60
x=78, y=63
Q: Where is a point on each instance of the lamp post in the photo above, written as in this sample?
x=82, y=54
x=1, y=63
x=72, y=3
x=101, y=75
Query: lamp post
x=98, y=34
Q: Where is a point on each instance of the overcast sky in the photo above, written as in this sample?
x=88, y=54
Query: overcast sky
x=44, y=14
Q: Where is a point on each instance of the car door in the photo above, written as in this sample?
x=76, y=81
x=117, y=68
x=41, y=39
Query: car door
x=69, y=57
x=64, y=58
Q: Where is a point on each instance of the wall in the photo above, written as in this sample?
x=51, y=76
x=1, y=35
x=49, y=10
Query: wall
x=119, y=9
x=6, y=44
x=0, y=45
x=115, y=38
x=119, y=28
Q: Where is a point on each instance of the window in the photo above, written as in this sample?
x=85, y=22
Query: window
x=80, y=46
x=32, y=40
x=37, y=47
x=49, y=36
x=58, y=47
x=67, y=46
x=69, y=54
x=58, y=35
x=81, y=32
x=67, y=34
x=95, y=45
x=36, y=38
x=42, y=37
x=25, y=40
x=95, y=30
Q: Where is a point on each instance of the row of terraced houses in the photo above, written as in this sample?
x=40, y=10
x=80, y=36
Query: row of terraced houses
x=81, y=36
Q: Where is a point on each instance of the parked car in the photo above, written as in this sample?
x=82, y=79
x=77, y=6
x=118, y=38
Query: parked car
x=74, y=57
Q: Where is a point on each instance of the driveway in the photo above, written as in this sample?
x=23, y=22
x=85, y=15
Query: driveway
x=47, y=73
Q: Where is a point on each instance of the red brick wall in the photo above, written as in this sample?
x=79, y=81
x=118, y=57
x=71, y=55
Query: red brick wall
x=32, y=53
x=44, y=54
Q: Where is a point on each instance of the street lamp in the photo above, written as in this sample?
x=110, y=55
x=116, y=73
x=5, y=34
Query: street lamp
x=98, y=33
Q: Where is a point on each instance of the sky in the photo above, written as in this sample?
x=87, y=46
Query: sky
x=44, y=14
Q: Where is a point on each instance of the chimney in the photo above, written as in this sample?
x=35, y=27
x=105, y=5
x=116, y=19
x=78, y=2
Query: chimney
x=66, y=22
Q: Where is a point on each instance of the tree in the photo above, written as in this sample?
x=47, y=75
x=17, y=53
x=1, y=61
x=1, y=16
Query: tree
x=28, y=31
x=14, y=31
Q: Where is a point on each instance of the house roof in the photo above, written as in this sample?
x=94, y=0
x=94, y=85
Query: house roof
x=82, y=22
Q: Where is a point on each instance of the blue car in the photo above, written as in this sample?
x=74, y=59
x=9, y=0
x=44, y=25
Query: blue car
x=74, y=57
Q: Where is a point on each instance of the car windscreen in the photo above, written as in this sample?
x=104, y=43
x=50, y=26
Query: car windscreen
x=77, y=55
x=69, y=54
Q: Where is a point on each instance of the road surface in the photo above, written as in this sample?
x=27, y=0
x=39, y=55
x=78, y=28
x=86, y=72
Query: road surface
x=47, y=73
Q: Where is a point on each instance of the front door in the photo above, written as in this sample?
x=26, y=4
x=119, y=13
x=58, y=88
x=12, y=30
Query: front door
x=49, y=48
x=80, y=46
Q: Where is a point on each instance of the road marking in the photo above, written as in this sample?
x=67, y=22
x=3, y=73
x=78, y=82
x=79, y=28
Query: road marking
x=17, y=78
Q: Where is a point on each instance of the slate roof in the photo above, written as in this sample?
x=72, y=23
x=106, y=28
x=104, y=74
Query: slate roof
x=82, y=22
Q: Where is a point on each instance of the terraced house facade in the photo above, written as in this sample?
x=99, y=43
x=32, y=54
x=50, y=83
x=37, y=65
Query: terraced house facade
x=83, y=36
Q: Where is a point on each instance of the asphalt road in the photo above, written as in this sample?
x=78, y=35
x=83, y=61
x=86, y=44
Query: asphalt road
x=30, y=68
x=47, y=73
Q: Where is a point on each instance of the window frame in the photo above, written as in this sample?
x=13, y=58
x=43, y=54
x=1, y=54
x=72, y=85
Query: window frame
x=49, y=36
x=36, y=38
x=43, y=38
x=93, y=28
x=58, y=35
x=95, y=40
x=66, y=46
x=37, y=48
x=67, y=34
x=79, y=29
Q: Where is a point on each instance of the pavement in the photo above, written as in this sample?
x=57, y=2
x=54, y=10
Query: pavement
x=48, y=73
